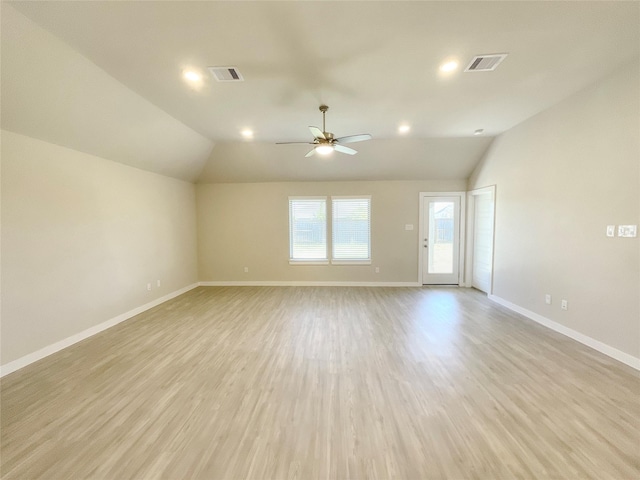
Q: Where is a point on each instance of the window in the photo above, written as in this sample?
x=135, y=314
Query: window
x=308, y=230
x=351, y=230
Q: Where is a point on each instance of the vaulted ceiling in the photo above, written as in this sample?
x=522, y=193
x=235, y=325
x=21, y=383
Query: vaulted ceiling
x=107, y=78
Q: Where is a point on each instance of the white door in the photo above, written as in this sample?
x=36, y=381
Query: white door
x=440, y=242
x=482, y=241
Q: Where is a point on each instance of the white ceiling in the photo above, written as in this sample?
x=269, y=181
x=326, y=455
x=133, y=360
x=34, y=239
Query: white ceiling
x=374, y=63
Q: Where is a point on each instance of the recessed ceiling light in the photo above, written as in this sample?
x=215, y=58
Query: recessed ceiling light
x=479, y=131
x=192, y=76
x=247, y=133
x=404, y=128
x=449, y=66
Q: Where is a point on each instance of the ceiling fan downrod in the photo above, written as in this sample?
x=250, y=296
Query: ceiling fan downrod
x=323, y=109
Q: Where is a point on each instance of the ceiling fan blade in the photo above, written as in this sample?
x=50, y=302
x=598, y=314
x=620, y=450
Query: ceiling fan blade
x=294, y=143
x=354, y=138
x=347, y=150
x=311, y=153
x=317, y=133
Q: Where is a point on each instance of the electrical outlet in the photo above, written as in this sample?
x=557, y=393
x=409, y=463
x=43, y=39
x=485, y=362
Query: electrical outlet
x=377, y=269
x=564, y=305
x=158, y=283
x=149, y=286
x=547, y=299
x=408, y=226
x=246, y=269
x=627, y=230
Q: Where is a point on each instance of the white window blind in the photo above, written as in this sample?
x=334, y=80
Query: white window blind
x=351, y=229
x=308, y=228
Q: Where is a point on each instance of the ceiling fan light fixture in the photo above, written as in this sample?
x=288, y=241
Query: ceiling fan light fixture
x=324, y=149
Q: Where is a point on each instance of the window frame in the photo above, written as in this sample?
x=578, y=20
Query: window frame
x=329, y=230
x=350, y=261
x=309, y=261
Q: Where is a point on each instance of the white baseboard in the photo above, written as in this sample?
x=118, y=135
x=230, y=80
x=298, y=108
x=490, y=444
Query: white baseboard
x=67, y=342
x=614, y=353
x=293, y=283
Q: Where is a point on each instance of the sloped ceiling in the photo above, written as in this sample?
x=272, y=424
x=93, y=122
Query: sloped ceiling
x=374, y=63
x=51, y=92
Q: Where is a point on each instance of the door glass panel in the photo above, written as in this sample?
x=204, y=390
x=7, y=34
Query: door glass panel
x=441, y=235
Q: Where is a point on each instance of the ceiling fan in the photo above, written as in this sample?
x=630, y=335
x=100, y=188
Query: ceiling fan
x=324, y=142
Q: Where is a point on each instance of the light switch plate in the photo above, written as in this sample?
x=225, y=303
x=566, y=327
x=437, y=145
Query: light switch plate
x=627, y=230
x=611, y=230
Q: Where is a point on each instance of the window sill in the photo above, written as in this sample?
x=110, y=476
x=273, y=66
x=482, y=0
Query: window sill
x=308, y=262
x=350, y=262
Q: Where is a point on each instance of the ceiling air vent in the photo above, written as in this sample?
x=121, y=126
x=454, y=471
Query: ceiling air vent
x=485, y=63
x=226, y=74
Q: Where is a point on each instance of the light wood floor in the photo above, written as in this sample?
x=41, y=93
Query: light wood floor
x=336, y=383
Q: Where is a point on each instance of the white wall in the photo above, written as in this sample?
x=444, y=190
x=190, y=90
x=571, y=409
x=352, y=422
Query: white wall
x=561, y=177
x=81, y=238
x=248, y=225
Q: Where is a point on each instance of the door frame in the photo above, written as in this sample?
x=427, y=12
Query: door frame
x=491, y=189
x=421, y=230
